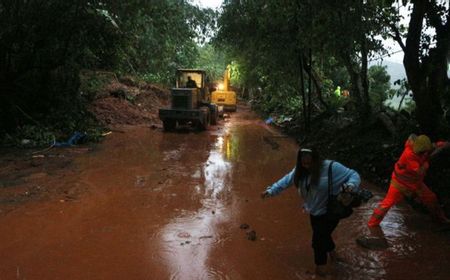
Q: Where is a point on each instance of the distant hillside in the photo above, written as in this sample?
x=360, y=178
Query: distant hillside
x=394, y=69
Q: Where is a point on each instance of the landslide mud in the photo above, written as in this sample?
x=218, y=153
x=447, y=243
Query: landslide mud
x=182, y=205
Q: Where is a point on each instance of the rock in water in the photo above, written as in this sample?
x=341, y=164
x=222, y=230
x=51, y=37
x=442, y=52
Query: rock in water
x=372, y=243
x=251, y=235
x=244, y=226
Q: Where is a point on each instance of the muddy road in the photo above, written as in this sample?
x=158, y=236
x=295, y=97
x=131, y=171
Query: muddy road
x=154, y=205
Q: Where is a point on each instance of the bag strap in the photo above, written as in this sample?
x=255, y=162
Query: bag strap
x=330, y=178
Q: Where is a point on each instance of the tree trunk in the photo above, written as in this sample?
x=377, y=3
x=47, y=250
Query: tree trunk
x=364, y=80
x=309, y=89
x=316, y=82
x=302, y=93
x=427, y=75
x=363, y=106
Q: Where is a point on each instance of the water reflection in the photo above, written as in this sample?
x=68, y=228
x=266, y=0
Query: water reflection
x=228, y=145
x=188, y=239
x=394, y=241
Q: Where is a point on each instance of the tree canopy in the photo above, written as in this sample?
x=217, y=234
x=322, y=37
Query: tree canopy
x=300, y=48
x=290, y=54
x=45, y=44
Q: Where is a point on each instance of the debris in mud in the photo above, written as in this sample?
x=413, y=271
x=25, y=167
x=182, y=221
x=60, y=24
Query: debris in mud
x=183, y=234
x=185, y=243
x=69, y=198
x=251, y=235
x=372, y=243
x=244, y=226
x=141, y=181
x=38, y=156
x=154, y=127
x=205, y=236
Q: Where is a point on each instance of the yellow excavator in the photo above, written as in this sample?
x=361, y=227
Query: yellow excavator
x=223, y=96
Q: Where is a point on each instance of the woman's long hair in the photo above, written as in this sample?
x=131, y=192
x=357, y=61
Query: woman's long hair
x=314, y=171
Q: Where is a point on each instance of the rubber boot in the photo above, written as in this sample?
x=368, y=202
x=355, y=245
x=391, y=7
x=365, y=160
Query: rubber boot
x=377, y=217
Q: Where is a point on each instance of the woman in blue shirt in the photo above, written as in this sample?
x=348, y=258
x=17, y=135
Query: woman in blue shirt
x=310, y=176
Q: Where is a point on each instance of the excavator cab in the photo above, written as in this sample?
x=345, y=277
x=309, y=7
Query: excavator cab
x=223, y=96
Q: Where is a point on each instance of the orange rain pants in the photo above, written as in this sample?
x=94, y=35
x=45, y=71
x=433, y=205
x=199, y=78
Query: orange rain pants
x=396, y=194
x=407, y=180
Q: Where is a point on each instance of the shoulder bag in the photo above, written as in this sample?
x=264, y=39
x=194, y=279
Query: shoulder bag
x=336, y=209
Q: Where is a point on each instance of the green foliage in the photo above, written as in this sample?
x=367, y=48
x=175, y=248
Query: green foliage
x=426, y=58
x=91, y=82
x=45, y=43
x=213, y=60
x=336, y=102
x=236, y=74
x=270, y=43
x=403, y=95
x=335, y=75
x=33, y=136
x=94, y=134
x=379, y=85
x=161, y=36
x=328, y=86
x=271, y=104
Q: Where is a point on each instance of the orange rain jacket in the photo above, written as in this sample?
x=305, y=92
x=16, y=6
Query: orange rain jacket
x=410, y=169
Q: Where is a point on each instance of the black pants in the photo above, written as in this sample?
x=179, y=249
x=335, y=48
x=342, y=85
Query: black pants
x=322, y=242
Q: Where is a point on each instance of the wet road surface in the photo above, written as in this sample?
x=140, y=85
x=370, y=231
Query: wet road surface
x=170, y=206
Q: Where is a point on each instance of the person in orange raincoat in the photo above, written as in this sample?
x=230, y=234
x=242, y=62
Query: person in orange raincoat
x=407, y=179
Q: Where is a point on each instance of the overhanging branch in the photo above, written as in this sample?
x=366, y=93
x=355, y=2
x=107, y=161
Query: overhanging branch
x=397, y=36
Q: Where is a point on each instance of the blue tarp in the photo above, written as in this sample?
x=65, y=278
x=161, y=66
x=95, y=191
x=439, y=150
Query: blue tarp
x=269, y=120
x=76, y=136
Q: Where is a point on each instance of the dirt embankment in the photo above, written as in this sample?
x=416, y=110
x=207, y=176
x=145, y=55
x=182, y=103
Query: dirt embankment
x=129, y=102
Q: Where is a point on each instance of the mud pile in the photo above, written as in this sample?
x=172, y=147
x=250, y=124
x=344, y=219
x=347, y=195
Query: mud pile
x=127, y=102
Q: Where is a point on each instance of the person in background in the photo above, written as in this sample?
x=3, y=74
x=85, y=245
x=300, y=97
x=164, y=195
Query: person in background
x=337, y=91
x=191, y=83
x=407, y=179
x=310, y=176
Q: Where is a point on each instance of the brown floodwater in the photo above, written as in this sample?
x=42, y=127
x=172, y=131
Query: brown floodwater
x=170, y=206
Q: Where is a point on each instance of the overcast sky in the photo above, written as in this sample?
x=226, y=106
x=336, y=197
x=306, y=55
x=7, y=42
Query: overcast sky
x=214, y=4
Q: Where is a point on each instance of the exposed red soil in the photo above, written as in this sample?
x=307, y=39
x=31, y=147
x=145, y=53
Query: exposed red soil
x=129, y=103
